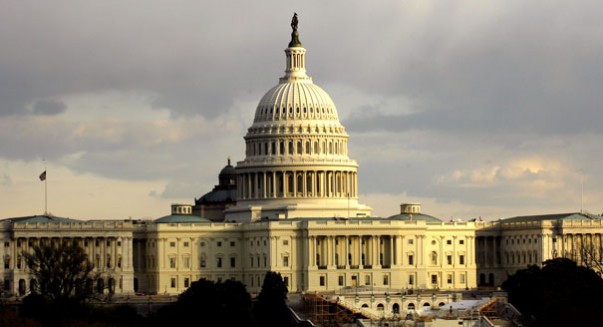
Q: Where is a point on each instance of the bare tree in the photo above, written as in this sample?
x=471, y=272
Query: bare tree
x=590, y=256
x=61, y=271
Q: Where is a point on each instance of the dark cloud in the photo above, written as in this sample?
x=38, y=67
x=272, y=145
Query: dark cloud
x=48, y=107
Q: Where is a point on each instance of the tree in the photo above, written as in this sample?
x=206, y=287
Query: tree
x=61, y=271
x=228, y=303
x=559, y=293
x=270, y=308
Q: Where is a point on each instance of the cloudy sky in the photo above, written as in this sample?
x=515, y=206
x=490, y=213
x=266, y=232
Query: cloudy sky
x=485, y=109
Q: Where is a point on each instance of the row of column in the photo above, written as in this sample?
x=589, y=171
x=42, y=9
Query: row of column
x=101, y=254
x=282, y=147
x=297, y=184
x=360, y=251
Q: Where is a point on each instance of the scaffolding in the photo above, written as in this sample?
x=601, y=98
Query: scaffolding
x=327, y=312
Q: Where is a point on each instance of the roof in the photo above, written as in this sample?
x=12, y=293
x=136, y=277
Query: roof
x=415, y=216
x=218, y=196
x=41, y=219
x=554, y=216
x=181, y=219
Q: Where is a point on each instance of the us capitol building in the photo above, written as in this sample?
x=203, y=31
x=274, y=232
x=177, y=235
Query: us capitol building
x=291, y=206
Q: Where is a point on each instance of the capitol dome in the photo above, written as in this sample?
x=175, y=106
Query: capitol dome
x=296, y=152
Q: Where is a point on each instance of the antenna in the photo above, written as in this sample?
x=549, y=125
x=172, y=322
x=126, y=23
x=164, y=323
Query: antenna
x=582, y=194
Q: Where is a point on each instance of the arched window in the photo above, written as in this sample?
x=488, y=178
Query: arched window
x=411, y=306
x=299, y=147
x=307, y=147
x=290, y=147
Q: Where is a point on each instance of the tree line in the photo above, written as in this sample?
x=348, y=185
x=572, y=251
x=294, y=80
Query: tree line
x=62, y=296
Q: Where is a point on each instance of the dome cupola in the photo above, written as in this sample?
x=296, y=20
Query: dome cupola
x=296, y=152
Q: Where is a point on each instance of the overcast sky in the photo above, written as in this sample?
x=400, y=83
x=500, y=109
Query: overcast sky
x=487, y=109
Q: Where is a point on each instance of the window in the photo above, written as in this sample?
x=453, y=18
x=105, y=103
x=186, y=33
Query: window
x=286, y=281
x=411, y=259
x=461, y=242
x=186, y=244
x=219, y=262
x=202, y=243
x=462, y=278
x=461, y=259
x=173, y=282
x=449, y=259
x=449, y=279
x=286, y=261
x=172, y=262
x=322, y=280
x=202, y=261
x=411, y=241
x=219, y=243
x=434, y=279
x=172, y=244
x=411, y=279
x=118, y=243
x=340, y=281
x=434, y=258
x=186, y=262
x=448, y=242
x=233, y=262
x=232, y=243
x=285, y=242
x=367, y=280
x=385, y=280
x=186, y=282
x=6, y=244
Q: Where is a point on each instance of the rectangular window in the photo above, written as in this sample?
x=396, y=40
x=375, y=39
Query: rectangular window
x=461, y=242
x=411, y=279
x=411, y=259
x=286, y=261
x=434, y=279
x=232, y=262
x=186, y=282
x=285, y=242
x=367, y=280
x=449, y=279
x=449, y=259
x=340, y=280
x=232, y=243
x=219, y=243
x=172, y=262
x=172, y=244
x=448, y=242
x=461, y=259
x=202, y=262
x=462, y=278
x=411, y=241
x=322, y=280
x=186, y=244
x=186, y=262
x=173, y=282
x=219, y=262
x=385, y=280
x=6, y=244
x=286, y=281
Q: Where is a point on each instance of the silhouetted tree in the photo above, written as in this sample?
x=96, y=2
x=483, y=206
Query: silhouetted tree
x=270, y=308
x=226, y=303
x=60, y=271
x=561, y=293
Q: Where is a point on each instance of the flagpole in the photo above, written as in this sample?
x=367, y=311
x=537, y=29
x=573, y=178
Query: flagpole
x=46, y=192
